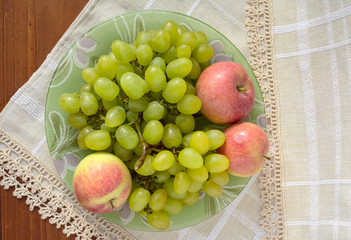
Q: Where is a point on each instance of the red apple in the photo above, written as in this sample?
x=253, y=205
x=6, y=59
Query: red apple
x=245, y=146
x=101, y=182
x=226, y=92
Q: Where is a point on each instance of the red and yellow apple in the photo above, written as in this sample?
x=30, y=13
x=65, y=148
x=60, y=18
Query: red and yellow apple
x=101, y=182
x=245, y=146
x=226, y=91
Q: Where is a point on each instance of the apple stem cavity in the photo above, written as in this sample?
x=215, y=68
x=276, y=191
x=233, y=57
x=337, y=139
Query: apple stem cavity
x=145, y=146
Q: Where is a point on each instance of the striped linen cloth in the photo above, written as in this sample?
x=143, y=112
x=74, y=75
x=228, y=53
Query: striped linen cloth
x=311, y=61
x=312, y=41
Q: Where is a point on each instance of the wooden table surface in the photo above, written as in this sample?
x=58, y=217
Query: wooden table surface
x=29, y=29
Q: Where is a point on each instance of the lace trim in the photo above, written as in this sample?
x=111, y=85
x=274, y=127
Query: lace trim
x=43, y=189
x=260, y=41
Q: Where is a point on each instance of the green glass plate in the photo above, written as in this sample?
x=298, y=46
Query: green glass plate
x=61, y=138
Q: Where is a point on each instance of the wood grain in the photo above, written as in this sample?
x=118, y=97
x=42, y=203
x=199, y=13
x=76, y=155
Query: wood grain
x=28, y=31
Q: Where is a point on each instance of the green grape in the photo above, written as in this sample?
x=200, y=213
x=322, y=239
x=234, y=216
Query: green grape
x=181, y=29
x=183, y=51
x=190, y=158
x=154, y=111
x=172, y=28
x=189, y=104
x=103, y=126
x=77, y=120
x=115, y=116
x=161, y=176
x=138, y=150
x=144, y=54
x=159, y=62
x=82, y=135
x=216, y=163
x=203, y=53
x=106, y=89
x=138, y=69
x=88, y=104
x=138, y=105
x=113, y=57
x=160, y=41
x=159, y=220
x=172, y=206
x=143, y=37
x=176, y=168
x=195, y=186
x=121, y=152
x=90, y=75
x=133, y=85
x=109, y=104
x=185, y=122
x=135, y=186
x=156, y=95
x=169, y=118
x=98, y=140
x=85, y=88
x=138, y=200
x=201, y=37
x=163, y=160
x=106, y=66
x=69, y=102
x=131, y=163
x=186, y=140
x=195, y=70
x=172, y=137
x=153, y=132
x=154, y=185
x=143, y=213
x=190, y=89
x=146, y=169
x=110, y=148
x=123, y=68
x=174, y=90
x=123, y=51
x=221, y=178
x=212, y=189
x=179, y=67
x=188, y=38
x=142, y=125
x=198, y=174
x=132, y=116
x=190, y=199
x=170, y=54
x=168, y=186
x=181, y=183
x=216, y=138
x=200, y=142
x=158, y=200
x=95, y=94
x=127, y=136
x=155, y=78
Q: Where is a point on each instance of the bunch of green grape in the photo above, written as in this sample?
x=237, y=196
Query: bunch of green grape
x=140, y=103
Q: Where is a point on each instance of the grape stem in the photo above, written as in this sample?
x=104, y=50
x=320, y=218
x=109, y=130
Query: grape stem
x=141, y=160
x=155, y=149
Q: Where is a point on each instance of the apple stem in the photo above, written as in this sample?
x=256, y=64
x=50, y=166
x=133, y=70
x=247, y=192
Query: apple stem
x=266, y=157
x=242, y=89
x=111, y=202
x=141, y=160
